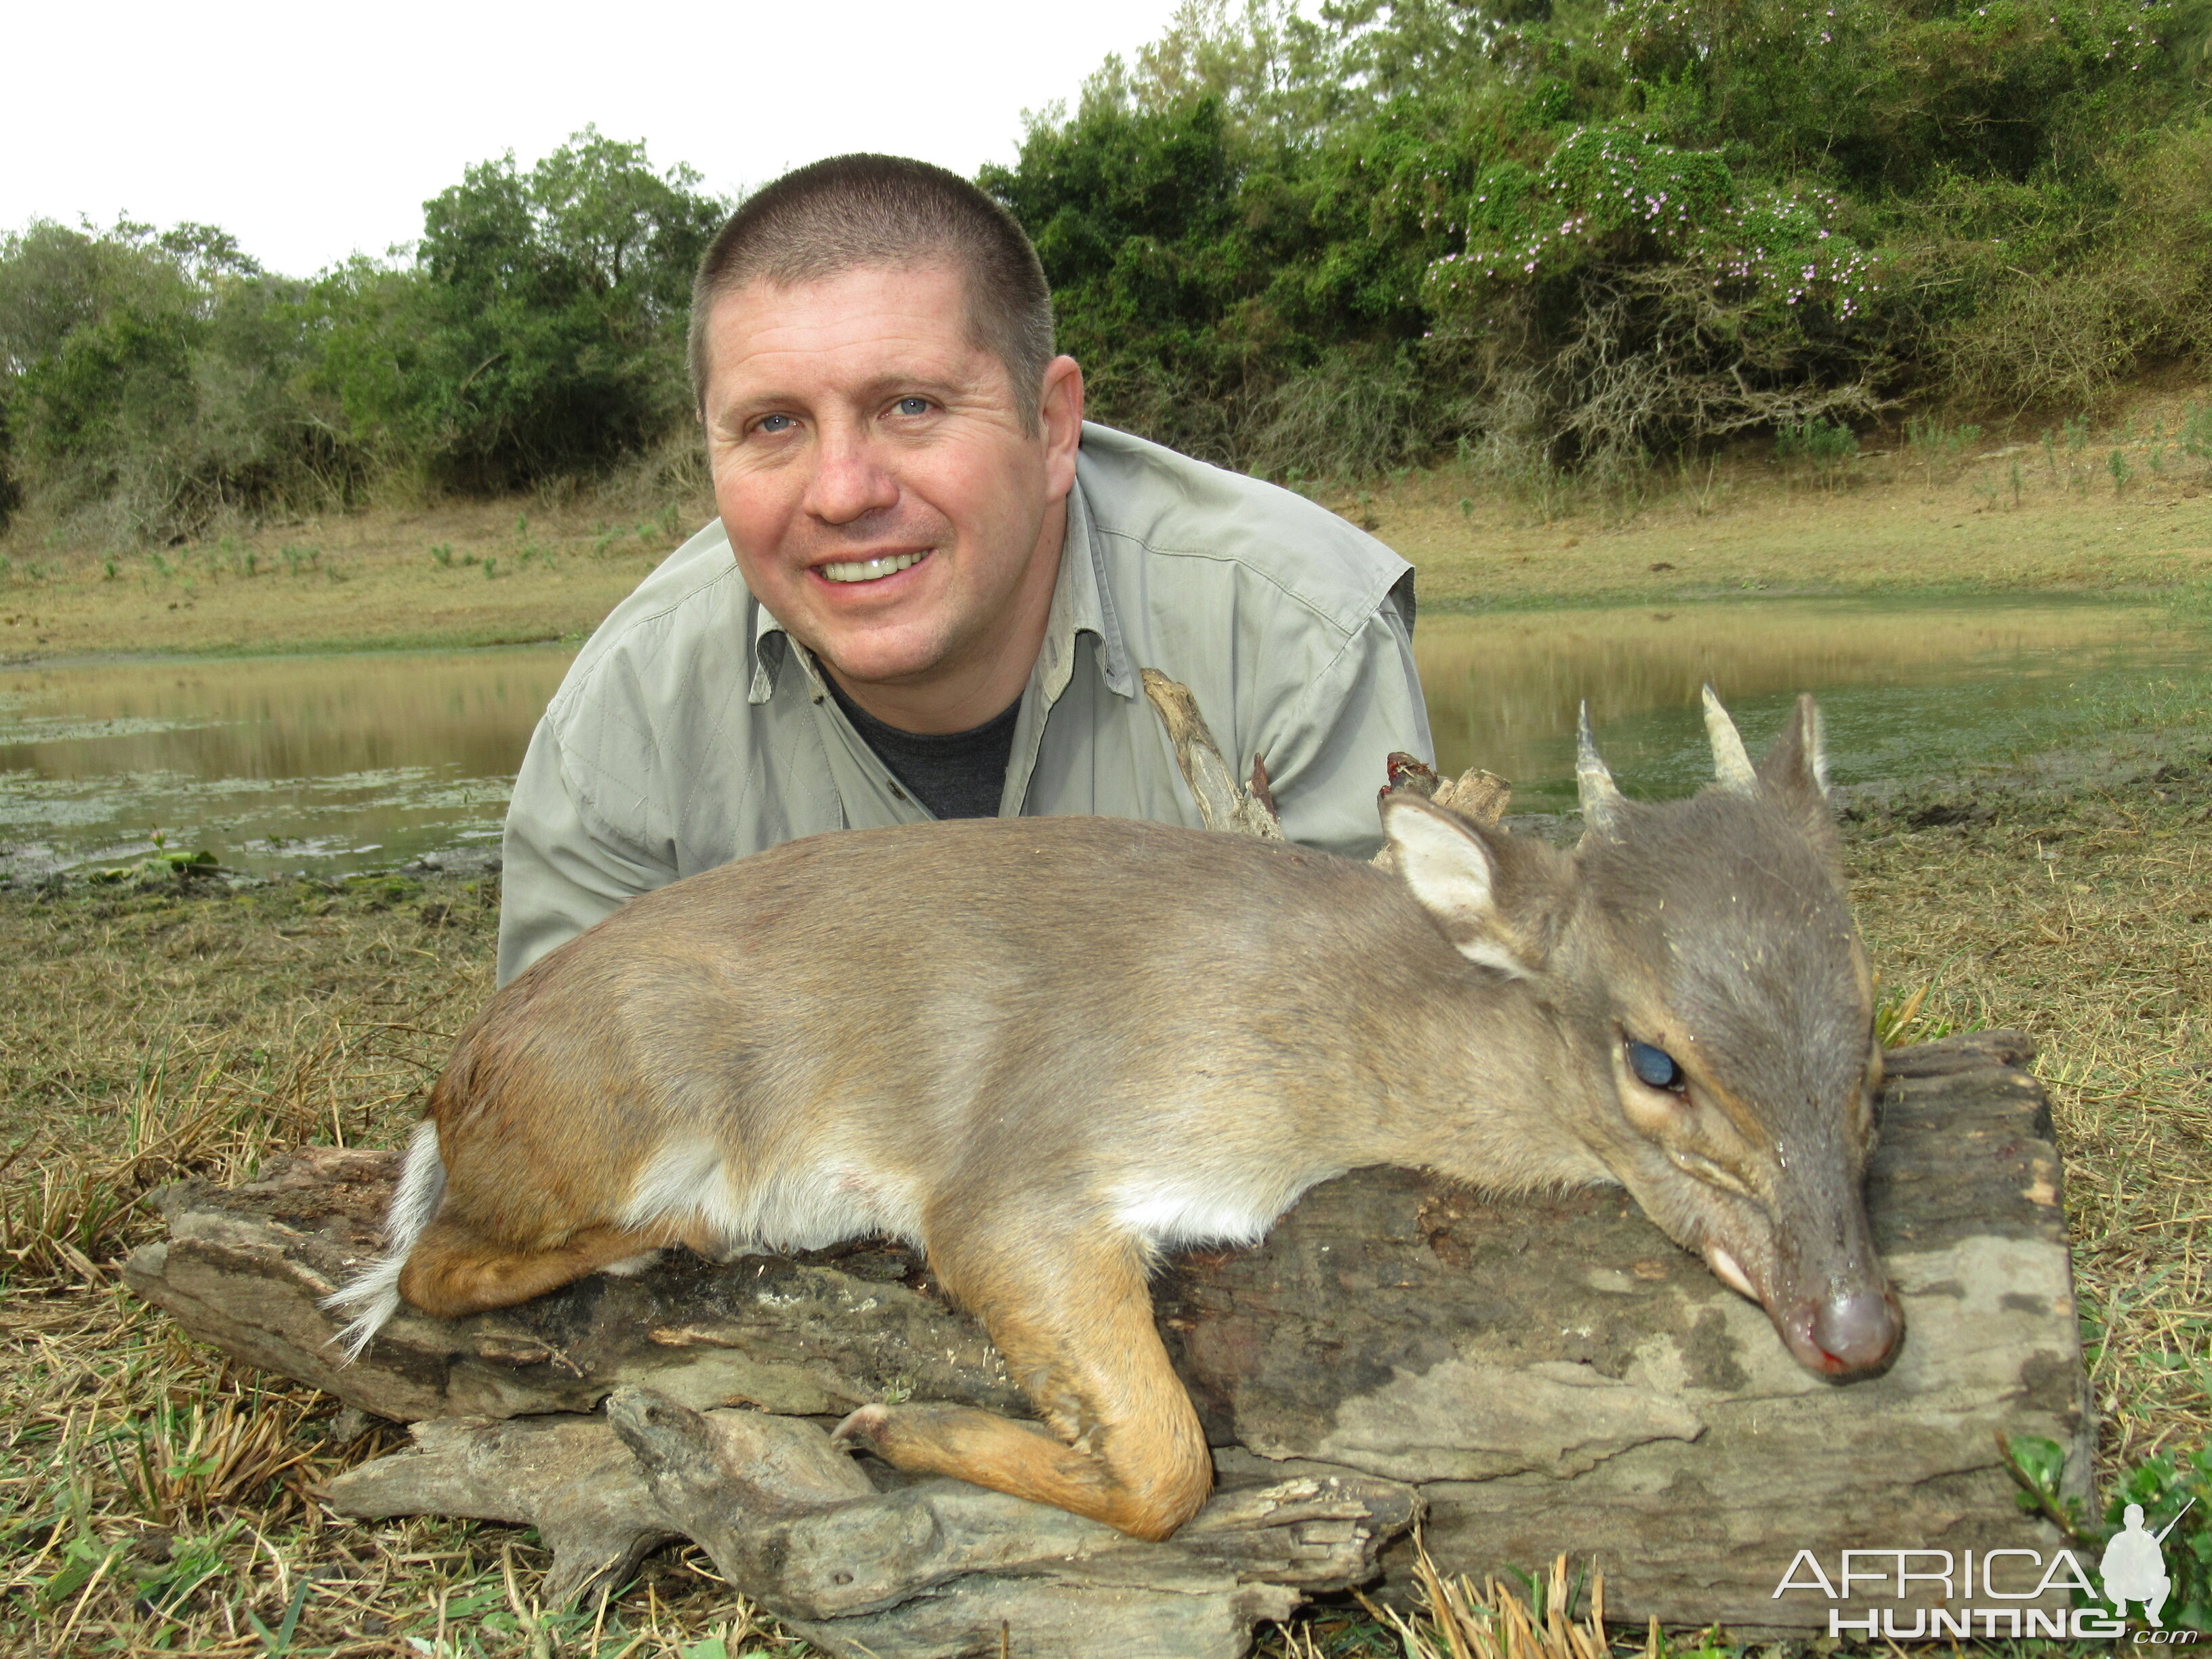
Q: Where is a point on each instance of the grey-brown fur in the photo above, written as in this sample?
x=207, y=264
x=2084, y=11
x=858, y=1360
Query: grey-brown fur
x=1047, y=1049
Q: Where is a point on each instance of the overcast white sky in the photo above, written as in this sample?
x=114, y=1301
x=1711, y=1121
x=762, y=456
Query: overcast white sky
x=311, y=130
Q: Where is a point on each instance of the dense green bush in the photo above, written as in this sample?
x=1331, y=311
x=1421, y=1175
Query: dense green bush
x=1550, y=233
x=540, y=329
x=1583, y=232
x=150, y=380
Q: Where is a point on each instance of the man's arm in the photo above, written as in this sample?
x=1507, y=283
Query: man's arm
x=1326, y=758
x=559, y=872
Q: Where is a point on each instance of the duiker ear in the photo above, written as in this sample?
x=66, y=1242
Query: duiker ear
x=1452, y=873
x=1795, y=769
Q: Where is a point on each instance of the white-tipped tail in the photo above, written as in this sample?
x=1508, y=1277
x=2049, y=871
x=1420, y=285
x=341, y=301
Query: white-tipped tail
x=374, y=1296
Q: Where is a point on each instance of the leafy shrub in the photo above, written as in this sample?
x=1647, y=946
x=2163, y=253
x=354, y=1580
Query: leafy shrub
x=152, y=379
x=2195, y=433
x=540, y=329
x=1941, y=450
x=2175, y=1491
x=1583, y=233
x=1825, y=448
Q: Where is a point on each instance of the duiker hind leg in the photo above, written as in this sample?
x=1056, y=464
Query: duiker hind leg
x=1076, y=1331
x=454, y=1270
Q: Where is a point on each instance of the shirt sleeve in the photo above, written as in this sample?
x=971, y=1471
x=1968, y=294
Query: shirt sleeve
x=1327, y=762
x=560, y=872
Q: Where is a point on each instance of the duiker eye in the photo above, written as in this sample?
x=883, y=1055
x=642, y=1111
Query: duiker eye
x=1654, y=1066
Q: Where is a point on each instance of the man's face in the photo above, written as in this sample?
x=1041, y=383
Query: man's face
x=881, y=490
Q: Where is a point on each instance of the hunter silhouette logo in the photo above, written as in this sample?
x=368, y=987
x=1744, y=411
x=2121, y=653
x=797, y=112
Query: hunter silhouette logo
x=2133, y=1567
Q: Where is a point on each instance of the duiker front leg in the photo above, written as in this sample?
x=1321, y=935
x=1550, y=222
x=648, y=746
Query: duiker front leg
x=1075, y=1324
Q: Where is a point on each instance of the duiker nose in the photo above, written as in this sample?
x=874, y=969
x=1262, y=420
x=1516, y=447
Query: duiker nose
x=1856, y=1330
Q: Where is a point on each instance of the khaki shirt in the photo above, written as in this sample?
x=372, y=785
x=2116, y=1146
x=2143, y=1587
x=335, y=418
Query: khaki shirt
x=692, y=730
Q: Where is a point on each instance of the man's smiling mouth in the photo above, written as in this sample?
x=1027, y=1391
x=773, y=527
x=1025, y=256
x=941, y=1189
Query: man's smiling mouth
x=867, y=570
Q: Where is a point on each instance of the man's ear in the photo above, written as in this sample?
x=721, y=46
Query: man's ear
x=1060, y=414
x=1452, y=869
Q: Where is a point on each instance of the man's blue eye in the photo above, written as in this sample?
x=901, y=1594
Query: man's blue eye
x=774, y=422
x=1654, y=1065
x=914, y=405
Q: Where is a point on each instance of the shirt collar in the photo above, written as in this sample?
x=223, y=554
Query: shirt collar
x=765, y=626
x=1082, y=604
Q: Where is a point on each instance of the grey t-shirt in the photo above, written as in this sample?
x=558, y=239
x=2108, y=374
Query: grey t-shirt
x=955, y=775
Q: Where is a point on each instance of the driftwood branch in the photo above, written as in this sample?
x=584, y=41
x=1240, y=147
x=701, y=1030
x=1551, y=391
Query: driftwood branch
x=1477, y=794
x=1474, y=793
x=933, y=1568
x=1222, y=803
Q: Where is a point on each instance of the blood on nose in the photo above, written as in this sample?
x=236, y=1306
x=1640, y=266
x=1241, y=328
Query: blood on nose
x=1856, y=1330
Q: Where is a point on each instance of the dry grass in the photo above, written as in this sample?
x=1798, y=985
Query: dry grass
x=459, y=573
x=1457, y=1621
x=2081, y=918
x=2002, y=513
x=158, y=1497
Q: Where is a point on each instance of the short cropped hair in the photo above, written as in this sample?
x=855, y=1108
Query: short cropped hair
x=886, y=212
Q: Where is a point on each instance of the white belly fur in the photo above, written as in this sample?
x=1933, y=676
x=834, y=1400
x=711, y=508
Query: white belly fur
x=687, y=1182
x=1202, y=1207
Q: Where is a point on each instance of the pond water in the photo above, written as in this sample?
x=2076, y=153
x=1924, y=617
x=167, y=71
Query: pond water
x=324, y=763
x=339, y=763
x=1907, y=691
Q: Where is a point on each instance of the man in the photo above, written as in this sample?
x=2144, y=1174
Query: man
x=933, y=585
x=2133, y=1568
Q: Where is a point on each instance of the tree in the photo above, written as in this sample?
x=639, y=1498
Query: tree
x=541, y=328
x=154, y=376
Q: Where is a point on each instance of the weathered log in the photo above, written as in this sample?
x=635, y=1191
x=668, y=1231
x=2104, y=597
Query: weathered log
x=932, y=1568
x=1553, y=1375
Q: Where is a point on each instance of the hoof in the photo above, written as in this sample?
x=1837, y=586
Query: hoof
x=862, y=1430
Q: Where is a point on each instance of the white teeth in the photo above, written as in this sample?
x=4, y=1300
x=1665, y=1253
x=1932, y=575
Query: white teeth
x=868, y=570
x=1729, y=1271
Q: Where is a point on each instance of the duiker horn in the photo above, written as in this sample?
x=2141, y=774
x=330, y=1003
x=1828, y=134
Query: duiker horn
x=1731, y=760
x=1601, y=800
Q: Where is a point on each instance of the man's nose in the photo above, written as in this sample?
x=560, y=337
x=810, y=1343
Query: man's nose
x=849, y=481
